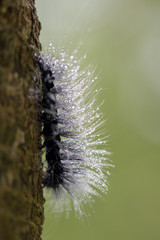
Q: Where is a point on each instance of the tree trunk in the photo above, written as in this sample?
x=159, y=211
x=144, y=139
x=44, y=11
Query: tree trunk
x=21, y=196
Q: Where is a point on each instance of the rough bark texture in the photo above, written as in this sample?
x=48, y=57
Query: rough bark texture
x=21, y=198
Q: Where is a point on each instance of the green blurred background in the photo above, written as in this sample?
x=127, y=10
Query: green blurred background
x=123, y=36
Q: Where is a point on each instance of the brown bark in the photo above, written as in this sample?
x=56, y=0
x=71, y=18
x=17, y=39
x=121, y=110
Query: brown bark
x=21, y=196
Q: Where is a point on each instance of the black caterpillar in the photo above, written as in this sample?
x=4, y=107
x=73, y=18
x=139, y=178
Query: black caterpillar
x=77, y=162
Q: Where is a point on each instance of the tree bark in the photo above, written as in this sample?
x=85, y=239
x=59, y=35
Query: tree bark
x=21, y=195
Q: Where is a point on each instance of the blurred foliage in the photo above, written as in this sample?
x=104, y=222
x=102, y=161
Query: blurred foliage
x=123, y=36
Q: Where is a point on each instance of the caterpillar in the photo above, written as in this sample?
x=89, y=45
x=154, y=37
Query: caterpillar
x=77, y=161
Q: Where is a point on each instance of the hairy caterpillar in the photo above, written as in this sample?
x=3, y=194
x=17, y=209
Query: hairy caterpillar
x=76, y=158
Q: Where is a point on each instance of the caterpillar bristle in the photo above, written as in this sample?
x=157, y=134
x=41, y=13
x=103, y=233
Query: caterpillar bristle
x=74, y=142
